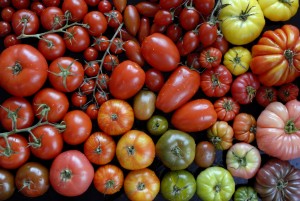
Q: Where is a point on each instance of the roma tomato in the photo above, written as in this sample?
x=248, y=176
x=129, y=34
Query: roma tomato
x=130, y=73
x=71, y=173
x=189, y=18
x=210, y=57
x=23, y=70
x=144, y=104
x=133, y=52
x=131, y=19
x=196, y=115
x=147, y=9
x=7, y=187
x=226, y=108
x=167, y=4
x=135, y=150
x=244, y=127
x=265, y=95
x=115, y=117
x=205, y=154
x=288, y=92
x=221, y=135
x=179, y=88
x=205, y=7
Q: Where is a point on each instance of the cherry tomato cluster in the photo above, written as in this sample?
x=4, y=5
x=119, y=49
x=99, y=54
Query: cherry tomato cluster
x=138, y=100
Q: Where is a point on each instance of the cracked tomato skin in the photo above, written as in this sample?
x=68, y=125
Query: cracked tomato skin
x=23, y=70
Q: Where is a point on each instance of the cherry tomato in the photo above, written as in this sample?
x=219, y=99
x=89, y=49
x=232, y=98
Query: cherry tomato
x=25, y=18
x=7, y=187
x=96, y=22
x=222, y=44
x=11, y=40
x=101, y=97
x=154, y=79
x=101, y=43
x=77, y=8
x=205, y=7
x=104, y=6
x=90, y=54
x=110, y=62
x=5, y=28
x=174, y=32
x=163, y=18
x=92, y=111
x=91, y=68
x=20, y=4
x=77, y=39
x=37, y=7
x=87, y=86
x=49, y=3
x=114, y=18
x=144, y=29
x=117, y=46
x=7, y=13
x=189, y=18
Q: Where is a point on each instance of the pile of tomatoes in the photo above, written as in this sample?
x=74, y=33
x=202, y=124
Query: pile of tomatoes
x=149, y=100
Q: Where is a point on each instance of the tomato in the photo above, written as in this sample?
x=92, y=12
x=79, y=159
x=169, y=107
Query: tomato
x=178, y=185
x=76, y=38
x=141, y=184
x=133, y=52
x=144, y=104
x=221, y=135
x=241, y=21
x=154, y=79
x=265, y=95
x=87, y=86
x=71, y=173
x=160, y=52
x=279, y=10
x=210, y=57
x=66, y=74
x=180, y=87
x=91, y=68
x=237, y=60
x=157, y=125
x=278, y=51
x=278, y=180
x=108, y=179
x=207, y=33
x=78, y=99
x=78, y=127
x=287, y=92
x=144, y=29
x=92, y=111
x=130, y=73
x=205, y=7
x=5, y=28
x=114, y=18
x=226, y=108
x=16, y=113
x=101, y=97
x=221, y=43
x=15, y=152
x=7, y=13
x=37, y=7
x=52, y=18
x=167, y=4
x=77, y=9
x=135, y=150
x=4, y=3
x=216, y=82
x=196, y=115
x=190, y=43
x=52, y=46
x=155, y=28
x=243, y=193
x=243, y=160
x=131, y=19
x=192, y=60
x=11, y=40
x=205, y=154
x=115, y=117
x=163, y=18
x=32, y=179
x=103, y=81
x=176, y=149
x=23, y=70
x=244, y=127
x=244, y=87
x=104, y=6
x=100, y=148
x=110, y=62
x=7, y=187
x=189, y=18
x=174, y=32
x=147, y=9
x=25, y=21
x=120, y=5
x=277, y=131
x=96, y=22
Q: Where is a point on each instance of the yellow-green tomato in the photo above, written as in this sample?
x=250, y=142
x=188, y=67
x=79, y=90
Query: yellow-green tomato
x=144, y=104
x=279, y=10
x=237, y=60
x=157, y=125
x=245, y=193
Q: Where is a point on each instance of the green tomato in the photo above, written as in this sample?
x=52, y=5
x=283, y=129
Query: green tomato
x=157, y=125
x=215, y=184
x=245, y=193
x=178, y=185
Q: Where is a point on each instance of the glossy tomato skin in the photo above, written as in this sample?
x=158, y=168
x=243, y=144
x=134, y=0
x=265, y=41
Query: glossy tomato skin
x=144, y=104
x=97, y=23
x=205, y=7
x=194, y=116
x=147, y=9
x=52, y=18
x=288, y=92
x=133, y=52
x=167, y=4
x=210, y=57
x=221, y=135
x=25, y=18
x=7, y=188
x=205, y=154
x=160, y=52
x=77, y=39
x=71, y=173
x=77, y=8
x=157, y=125
x=23, y=70
x=131, y=19
x=154, y=79
x=245, y=193
x=54, y=49
x=244, y=127
x=126, y=80
x=179, y=88
x=265, y=95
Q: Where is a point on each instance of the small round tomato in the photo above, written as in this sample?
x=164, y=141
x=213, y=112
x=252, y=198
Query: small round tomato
x=110, y=62
x=154, y=79
x=265, y=95
x=5, y=28
x=163, y=18
x=77, y=39
x=37, y=7
x=87, y=86
x=131, y=19
x=157, y=125
x=52, y=18
x=90, y=54
x=77, y=9
x=92, y=111
x=91, y=68
x=104, y=6
x=221, y=135
x=189, y=18
x=7, y=187
x=78, y=99
x=205, y=154
x=174, y=32
x=7, y=13
x=52, y=46
x=25, y=21
x=114, y=18
x=226, y=108
x=210, y=57
x=101, y=43
x=205, y=7
x=96, y=23
x=221, y=43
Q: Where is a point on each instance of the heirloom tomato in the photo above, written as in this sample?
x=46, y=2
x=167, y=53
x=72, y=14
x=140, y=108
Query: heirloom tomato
x=242, y=21
x=147, y=9
x=179, y=88
x=157, y=125
x=210, y=57
x=244, y=127
x=265, y=95
x=23, y=70
x=205, y=154
x=244, y=193
x=288, y=92
x=221, y=135
x=7, y=187
x=226, y=108
x=276, y=56
x=278, y=130
x=144, y=104
x=76, y=38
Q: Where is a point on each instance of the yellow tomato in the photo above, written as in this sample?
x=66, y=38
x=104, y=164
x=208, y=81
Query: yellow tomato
x=279, y=10
x=242, y=21
x=237, y=60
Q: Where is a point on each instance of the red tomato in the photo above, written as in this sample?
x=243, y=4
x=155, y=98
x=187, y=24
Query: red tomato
x=154, y=79
x=160, y=52
x=163, y=18
x=115, y=117
x=147, y=9
x=5, y=28
x=50, y=104
x=205, y=7
x=207, y=33
x=194, y=116
x=7, y=13
x=126, y=80
x=193, y=60
x=77, y=39
x=103, y=81
x=11, y=40
x=92, y=111
x=23, y=70
x=37, y=7
x=100, y=148
x=155, y=28
x=174, y=32
x=114, y=18
x=87, y=86
x=265, y=95
x=90, y=54
x=77, y=8
x=116, y=46
x=190, y=42
x=226, y=108
x=189, y=18
x=110, y=61
x=221, y=43
x=288, y=92
x=78, y=99
x=16, y=113
x=78, y=127
x=91, y=68
x=71, y=173
x=180, y=87
x=167, y=4
x=244, y=127
x=49, y=3
x=96, y=22
x=120, y=5
x=210, y=57
x=16, y=154
x=101, y=97
x=131, y=19
x=25, y=18
x=133, y=52
x=101, y=43
x=104, y=6
x=52, y=18
x=52, y=46
x=144, y=29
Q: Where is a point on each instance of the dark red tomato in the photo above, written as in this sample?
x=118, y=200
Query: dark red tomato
x=11, y=40
x=91, y=68
x=287, y=92
x=244, y=88
x=49, y=3
x=87, y=86
x=205, y=154
x=100, y=148
x=101, y=43
x=77, y=39
x=110, y=61
x=180, y=87
x=207, y=33
x=52, y=46
x=193, y=60
x=78, y=127
x=163, y=18
x=131, y=19
x=222, y=44
x=50, y=104
x=96, y=22
x=210, y=57
x=102, y=81
x=37, y=7
x=130, y=73
x=125, y=35
x=147, y=9
x=189, y=18
x=16, y=113
x=133, y=52
x=155, y=28
x=265, y=95
x=167, y=4
x=101, y=97
x=174, y=32
x=114, y=18
x=25, y=18
x=78, y=99
x=190, y=42
x=7, y=13
x=205, y=7
x=116, y=46
x=144, y=29
x=216, y=82
x=77, y=8
x=7, y=187
x=32, y=179
x=46, y=142
x=104, y=6
x=92, y=111
x=154, y=79
x=66, y=74
x=4, y=3
x=20, y=4
x=120, y=4
x=226, y=108
x=160, y=52
x=15, y=152
x=90, y=54
x=52, y=18
x=5, y=28
x=92, y=2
